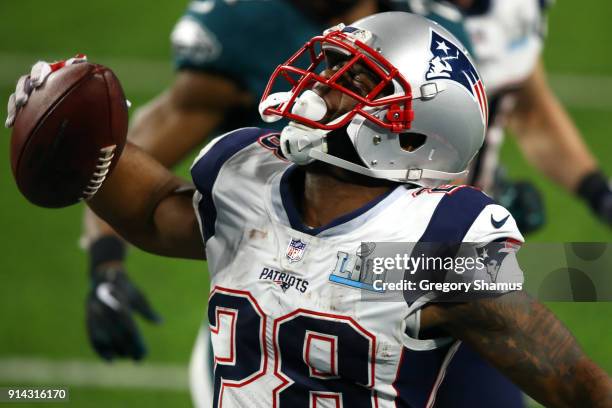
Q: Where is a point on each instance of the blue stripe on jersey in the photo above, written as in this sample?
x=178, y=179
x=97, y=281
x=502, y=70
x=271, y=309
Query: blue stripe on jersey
x=455, y=214
x=450, y=221
x=204, y=173
x=470, y=382
x=417, y=375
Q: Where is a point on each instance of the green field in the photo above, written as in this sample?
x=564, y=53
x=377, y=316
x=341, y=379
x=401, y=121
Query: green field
x=43, y=272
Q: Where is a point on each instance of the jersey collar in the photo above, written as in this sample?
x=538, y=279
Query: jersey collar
x=340, y=225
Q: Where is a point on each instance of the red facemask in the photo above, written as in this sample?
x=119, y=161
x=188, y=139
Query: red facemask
x=347, y=42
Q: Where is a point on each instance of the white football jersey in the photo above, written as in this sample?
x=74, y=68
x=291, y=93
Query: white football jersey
x=286, y=330
x=507, y=40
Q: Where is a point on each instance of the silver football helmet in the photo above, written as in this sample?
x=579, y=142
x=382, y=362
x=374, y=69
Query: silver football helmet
x=423, y=121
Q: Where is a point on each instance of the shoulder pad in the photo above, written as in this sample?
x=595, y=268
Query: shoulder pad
x=213, y=156
x=455, y=213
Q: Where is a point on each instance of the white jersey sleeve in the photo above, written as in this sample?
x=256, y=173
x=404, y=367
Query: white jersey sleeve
x=493, y=223
x=230, y=174
x=465, y=223
x=496, y=229
x=466, y=214
x=468, y=218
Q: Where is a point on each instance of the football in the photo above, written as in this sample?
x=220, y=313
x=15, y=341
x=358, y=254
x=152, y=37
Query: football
x=69, y=136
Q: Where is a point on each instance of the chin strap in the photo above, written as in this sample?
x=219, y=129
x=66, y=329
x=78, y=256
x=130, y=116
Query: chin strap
x=407, y=175
x=301, y=144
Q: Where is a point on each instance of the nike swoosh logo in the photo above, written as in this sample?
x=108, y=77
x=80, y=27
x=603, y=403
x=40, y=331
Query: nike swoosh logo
x=103, y=291
x=498, y=224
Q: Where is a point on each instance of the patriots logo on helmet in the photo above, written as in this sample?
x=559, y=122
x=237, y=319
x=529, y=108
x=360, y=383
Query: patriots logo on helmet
x=450, y=62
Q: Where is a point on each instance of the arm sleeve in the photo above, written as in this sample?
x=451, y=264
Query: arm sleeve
x=467, y=225
x=493, y=223
x=477, y=236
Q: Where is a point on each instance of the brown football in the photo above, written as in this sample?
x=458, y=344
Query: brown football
x=70, y=134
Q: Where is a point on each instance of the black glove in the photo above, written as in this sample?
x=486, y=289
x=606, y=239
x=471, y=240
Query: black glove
x=595, y=190
x=111, y=302
x=523, y=200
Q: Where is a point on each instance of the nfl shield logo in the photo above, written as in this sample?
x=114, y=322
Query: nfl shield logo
x=295, y=250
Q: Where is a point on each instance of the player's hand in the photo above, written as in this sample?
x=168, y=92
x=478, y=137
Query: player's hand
x=522, y=199
x=596, y=189
x=111, y=304
x=27, y=83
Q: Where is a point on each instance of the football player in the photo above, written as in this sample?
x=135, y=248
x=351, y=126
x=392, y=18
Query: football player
x=384, y=112
x=210, y=61
x=215, y=87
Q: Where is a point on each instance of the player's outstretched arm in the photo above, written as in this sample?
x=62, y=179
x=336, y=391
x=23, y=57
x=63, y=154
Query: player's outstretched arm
x=174, y=123
x=167, y=128
x=149, y=206
x=527, y=343
x=547, y=135
x=551, y=142
x=160, y=226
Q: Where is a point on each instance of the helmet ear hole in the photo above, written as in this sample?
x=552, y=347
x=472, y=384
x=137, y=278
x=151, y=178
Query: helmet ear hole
x=411, y=141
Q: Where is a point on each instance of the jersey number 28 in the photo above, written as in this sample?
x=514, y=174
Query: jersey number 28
x=317, y=356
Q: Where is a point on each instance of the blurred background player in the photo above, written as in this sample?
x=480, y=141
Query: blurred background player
x=507, y=39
